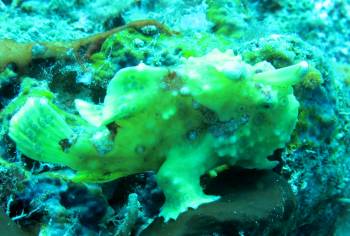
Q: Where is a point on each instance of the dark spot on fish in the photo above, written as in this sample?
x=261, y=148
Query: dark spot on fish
x=113, y=129
x=65, y=144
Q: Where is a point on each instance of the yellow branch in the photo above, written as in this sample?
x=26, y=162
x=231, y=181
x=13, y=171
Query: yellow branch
x=21, y=54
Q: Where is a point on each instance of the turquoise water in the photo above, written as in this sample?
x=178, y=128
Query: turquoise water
x=180, y=117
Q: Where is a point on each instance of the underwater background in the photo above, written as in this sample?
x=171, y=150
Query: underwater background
x=175, y=117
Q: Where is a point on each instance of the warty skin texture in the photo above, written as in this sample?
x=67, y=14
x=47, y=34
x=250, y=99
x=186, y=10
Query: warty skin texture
x=180, y=122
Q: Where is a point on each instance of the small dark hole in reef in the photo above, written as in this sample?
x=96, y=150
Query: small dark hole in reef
x=267, y=105
x=270, y=6
x=8, y=91
x=17, y=207
x=22, y=205
x=29, y=163
x=97, y=94
x=90, y=207
x=120, y=189
x=35, y=166
x=215, y=28
x=38, y=68
x=234, y=176
x=73, y=196
x=144, y=185
x=128, y=60
x=114, y=22
x=65, y=81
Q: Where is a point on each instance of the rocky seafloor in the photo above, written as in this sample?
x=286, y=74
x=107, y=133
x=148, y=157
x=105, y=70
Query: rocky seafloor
x=307, y=193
